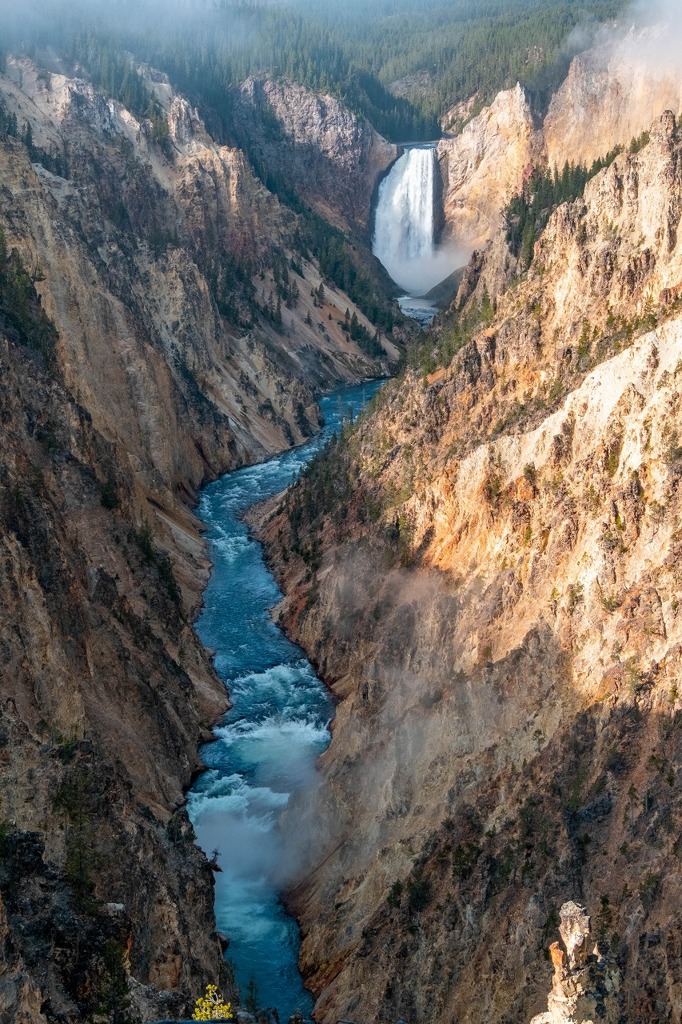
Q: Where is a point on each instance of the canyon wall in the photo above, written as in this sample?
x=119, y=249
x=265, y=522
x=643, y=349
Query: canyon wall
x=488, y=581
x=484, y=166
x=611, y=94
x=156, y=328
x=332, y=158
x=104, y=693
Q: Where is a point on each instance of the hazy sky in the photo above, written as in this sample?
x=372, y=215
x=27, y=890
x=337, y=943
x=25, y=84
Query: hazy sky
x=646, y=10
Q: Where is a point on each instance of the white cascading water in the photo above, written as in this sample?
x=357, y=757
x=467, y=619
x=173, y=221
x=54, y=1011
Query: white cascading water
x=403, y=231
x=404, y=224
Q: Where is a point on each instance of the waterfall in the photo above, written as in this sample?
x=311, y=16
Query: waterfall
x=404, y=223
x=404, y=218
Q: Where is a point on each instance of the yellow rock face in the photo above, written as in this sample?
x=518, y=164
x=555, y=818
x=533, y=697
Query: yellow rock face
x=499, y=615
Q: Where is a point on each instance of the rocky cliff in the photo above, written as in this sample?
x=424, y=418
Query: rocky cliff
x=104, y=691
x=332, y=158
x=586, y=985
x=484, y=166
x=156, y=328
x=158, y=247
x=611, y=94
x=496, y=610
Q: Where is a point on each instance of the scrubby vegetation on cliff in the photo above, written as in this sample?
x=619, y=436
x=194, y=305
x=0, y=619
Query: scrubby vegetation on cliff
x=545, y=190
x=22, y=317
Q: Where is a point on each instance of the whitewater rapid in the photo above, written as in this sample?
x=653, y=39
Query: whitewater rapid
x=266, y=748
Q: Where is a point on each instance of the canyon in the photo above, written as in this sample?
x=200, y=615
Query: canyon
x=484, y=570
x=147, y=356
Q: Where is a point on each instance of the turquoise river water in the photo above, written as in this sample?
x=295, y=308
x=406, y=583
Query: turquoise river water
x=267, y=746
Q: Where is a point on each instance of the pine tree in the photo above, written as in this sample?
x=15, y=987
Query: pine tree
x=27, y=138
x=113, y=997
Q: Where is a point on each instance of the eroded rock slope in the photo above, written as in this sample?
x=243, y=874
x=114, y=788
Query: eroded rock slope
x=498, y=614
x=183, y=340
x=484, y=166
x=331, y=157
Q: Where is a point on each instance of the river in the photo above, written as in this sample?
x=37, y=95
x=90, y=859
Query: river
x=268, y=744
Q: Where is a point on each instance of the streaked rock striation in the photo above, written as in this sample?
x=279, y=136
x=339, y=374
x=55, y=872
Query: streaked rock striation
x=496, y=610
x=484, y=166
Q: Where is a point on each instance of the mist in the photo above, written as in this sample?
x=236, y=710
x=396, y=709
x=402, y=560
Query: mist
x=419, y=276
x=152, y=18
x=661, y=48
x=647, y=34
x=405, y=224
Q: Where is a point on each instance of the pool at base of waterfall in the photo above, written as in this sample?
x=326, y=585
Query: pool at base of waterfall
x=266, y=748
x=422, y=310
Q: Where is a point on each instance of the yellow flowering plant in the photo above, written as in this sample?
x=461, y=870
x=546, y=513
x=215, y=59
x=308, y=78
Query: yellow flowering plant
x=211, y=1006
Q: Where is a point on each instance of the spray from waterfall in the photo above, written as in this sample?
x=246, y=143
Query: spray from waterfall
x=405, y=223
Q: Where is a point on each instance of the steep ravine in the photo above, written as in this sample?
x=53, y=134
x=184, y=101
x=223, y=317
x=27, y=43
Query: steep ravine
x=500, y=517
x=159, y=268
x=486, y=574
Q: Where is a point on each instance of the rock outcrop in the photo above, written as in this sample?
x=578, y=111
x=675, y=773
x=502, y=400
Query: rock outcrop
x=331, y=157
x=585, y=986
x=484, y=166
x=496, y=610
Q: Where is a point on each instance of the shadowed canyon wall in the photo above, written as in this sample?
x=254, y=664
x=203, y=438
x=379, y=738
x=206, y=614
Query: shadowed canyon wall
x=183, y=342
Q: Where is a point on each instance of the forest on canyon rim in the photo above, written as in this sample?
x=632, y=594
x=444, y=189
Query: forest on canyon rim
x=483, y=568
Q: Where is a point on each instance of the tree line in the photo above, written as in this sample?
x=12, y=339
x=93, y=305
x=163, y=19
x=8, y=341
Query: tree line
x=364, y=53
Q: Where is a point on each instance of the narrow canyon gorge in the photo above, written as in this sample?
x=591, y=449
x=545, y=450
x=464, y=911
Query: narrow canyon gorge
x=478, y=558
x=493, y=602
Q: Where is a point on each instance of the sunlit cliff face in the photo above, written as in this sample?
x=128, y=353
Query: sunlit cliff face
x=509, y=698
